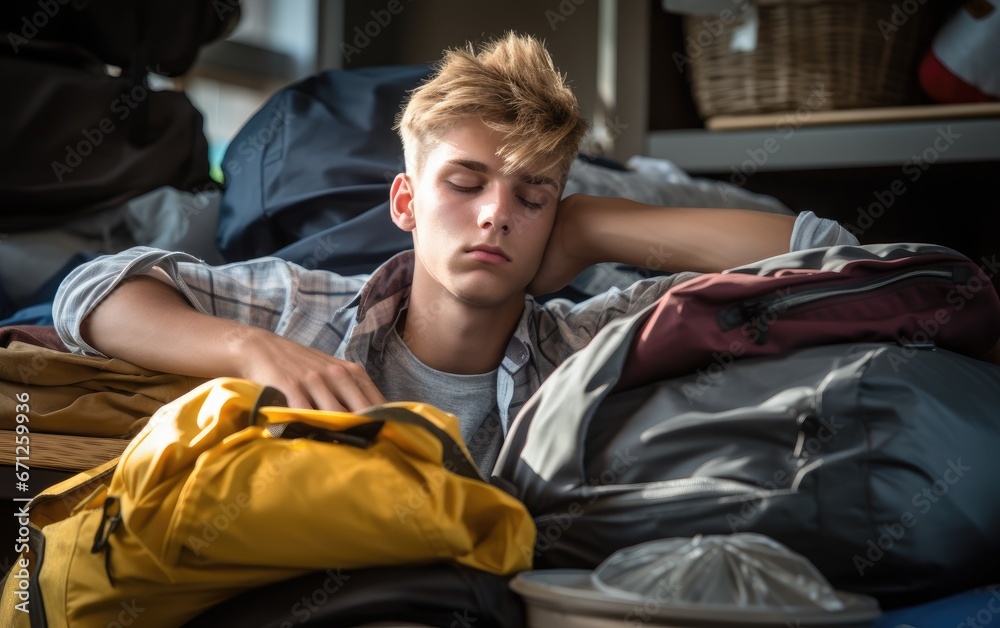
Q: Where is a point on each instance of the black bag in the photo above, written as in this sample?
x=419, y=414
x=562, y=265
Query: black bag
x=875, y=461
x=442, y=594
x=166, y=34
x=80, y=140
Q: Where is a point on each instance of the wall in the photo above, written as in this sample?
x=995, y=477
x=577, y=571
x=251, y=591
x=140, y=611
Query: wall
x=421, y=29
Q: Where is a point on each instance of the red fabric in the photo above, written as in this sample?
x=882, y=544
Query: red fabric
x=944, y=86
x=684, y=333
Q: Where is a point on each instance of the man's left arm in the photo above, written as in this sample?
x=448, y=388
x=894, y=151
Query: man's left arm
x=590, y=230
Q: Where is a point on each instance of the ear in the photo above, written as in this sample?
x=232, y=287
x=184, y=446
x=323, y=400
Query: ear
x=401, y=202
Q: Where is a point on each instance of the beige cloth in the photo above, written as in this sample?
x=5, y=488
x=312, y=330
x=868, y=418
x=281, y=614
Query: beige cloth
x=81, y=395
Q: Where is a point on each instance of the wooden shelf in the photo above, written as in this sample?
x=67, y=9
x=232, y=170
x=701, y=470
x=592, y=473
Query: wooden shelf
x=790, y=144
x=855, y=116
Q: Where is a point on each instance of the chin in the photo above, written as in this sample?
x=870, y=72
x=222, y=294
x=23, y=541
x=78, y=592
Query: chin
x=484, y=295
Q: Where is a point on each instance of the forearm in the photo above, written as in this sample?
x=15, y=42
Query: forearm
x=148, y=323
x=678, y=238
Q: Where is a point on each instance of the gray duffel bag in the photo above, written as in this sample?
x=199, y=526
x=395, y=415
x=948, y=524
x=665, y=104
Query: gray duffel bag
x=878, y=462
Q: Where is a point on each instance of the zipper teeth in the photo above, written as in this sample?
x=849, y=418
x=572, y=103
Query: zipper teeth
x=799, y=299
x=703, y=489
x=703, y=486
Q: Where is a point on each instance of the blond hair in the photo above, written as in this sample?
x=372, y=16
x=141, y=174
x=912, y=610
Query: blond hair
x=511, y=85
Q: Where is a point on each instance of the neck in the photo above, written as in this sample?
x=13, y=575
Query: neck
x=455, y=338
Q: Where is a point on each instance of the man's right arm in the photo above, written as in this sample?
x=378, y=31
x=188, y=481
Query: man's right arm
x=144, y=319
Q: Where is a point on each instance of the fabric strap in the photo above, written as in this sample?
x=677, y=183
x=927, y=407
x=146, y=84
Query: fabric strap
x=454, y=457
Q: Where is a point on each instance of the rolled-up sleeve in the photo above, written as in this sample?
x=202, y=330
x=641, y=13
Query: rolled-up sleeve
x=88, y=284
x=810, y=232
x=268, y=292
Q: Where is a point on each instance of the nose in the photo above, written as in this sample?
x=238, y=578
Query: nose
x=495, y=213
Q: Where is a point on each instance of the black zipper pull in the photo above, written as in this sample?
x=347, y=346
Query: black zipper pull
x=735, y=315
x=762, y=328
x=748, y=312
x=753, y=313
x=111, y=518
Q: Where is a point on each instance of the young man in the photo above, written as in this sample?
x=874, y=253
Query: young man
x=488, y=143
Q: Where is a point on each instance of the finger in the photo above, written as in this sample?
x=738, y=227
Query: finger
x=321, y=384
x=370, y=391
x=324, y=399
x=349, y=394
x=296, y=398
x=335, y=384
x=354, y=387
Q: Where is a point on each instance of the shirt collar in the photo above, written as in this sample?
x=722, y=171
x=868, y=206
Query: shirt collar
x=391, y=280
x=517, y=352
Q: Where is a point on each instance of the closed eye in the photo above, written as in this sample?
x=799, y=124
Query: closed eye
x=463, y=188
x=472, y=189
x=529, y=204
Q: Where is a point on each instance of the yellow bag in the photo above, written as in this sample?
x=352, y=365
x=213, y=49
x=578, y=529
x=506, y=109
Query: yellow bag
x=224, y=491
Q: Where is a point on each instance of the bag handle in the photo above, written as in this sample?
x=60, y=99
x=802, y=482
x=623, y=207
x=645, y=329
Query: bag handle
x=453, y=456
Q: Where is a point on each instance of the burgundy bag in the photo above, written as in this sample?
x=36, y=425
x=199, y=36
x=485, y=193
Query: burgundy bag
x=913, y=294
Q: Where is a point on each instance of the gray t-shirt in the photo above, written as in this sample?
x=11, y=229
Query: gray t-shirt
x=471, y=398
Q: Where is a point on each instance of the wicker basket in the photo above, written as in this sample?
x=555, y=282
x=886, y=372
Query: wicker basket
x=820, y=54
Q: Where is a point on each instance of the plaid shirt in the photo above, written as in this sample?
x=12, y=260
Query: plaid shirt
x=347, y=317
x=350, y=317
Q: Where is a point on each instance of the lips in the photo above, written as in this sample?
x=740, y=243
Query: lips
x=489, y=254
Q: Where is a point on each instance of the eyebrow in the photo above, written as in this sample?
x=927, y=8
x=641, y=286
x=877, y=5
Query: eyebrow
x=478, y=166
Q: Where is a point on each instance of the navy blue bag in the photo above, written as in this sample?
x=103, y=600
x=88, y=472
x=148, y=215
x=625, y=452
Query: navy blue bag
x=308, y=176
